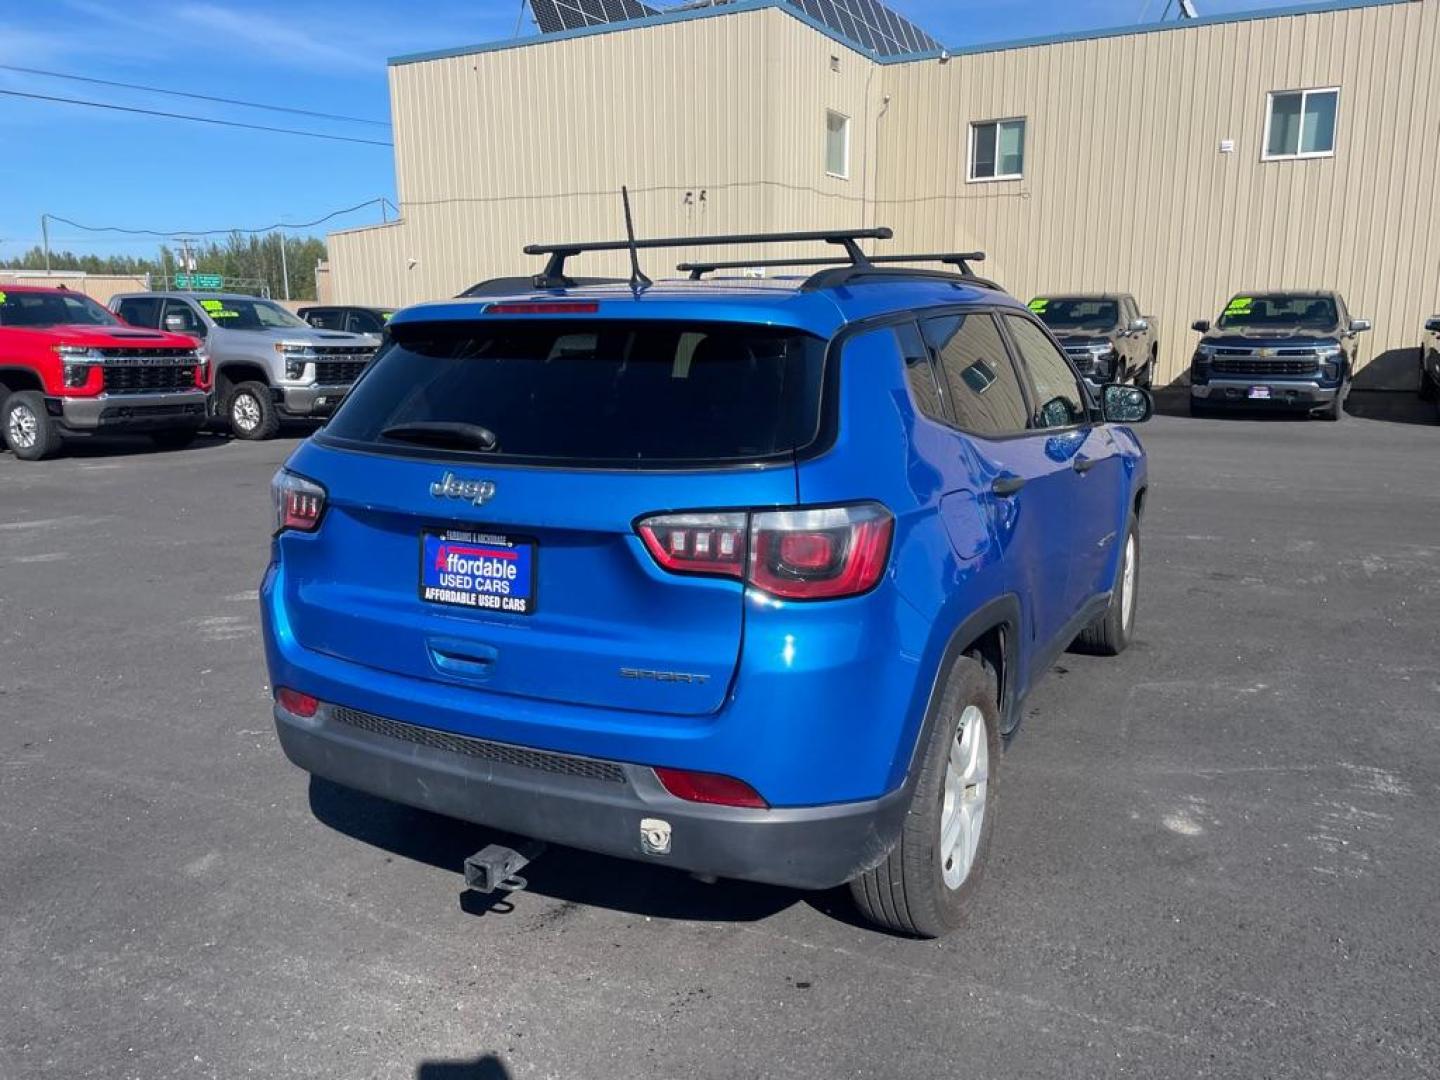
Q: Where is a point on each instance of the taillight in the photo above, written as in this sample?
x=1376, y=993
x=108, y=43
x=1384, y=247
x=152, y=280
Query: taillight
x=820, y=554
x=711, y=544
x=813, y=554
x=299, y=503
x=709, y=788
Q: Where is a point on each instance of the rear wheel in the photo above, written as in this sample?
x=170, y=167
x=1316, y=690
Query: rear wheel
x=1109, y=635
x=27, y=428
x=174, y=438
x=251, y=412
x=927, y=883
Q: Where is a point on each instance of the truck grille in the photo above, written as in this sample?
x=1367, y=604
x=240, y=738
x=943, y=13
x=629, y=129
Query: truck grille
x=338, y=372
x=1254, y=365
x=484, y=749
x=1084, y=361
x=121, y=378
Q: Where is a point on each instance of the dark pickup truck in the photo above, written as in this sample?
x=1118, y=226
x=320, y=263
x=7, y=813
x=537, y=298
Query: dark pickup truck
x=1104, y=335
x=1430, y=360
x=1290, y=350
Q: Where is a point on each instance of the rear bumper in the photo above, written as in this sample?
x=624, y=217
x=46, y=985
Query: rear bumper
x=1283, y=392
x=312, y=400
x=114, y=412
x=588, y=803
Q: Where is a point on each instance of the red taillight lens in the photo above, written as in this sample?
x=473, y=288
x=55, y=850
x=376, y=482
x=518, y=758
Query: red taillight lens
x=299, y=503
x=293, y=701
x=820, y=554
x=710, y=788
x=543, y=307
x=712, y=544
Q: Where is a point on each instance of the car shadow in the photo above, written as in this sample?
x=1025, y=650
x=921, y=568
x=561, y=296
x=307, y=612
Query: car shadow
x=485, y=1067
x=565, y=874
x=96, y=446
x=1392, y=407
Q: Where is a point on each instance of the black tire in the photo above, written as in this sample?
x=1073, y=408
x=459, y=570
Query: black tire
x=174, y=438
x=1200, y=408
x=27, y=428
x=261, y=422
x=908, y=893
x=1428, y=390
x=1110, y=634
x=1146, y=379
x=1335, y=410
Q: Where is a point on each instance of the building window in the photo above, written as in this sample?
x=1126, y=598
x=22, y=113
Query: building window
x=1301, y=124
x=837, y=144
x=997, y=150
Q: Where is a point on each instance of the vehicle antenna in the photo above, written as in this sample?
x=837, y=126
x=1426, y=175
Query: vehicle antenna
x=638, y=280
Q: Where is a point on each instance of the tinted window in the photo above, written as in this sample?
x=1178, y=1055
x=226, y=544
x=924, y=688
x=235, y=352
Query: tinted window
x=363, y=322
x=984, y=392
x=141, y=311
x=1068, y=313
x=184, y=318
x=1281, y=310
x=325, y=318
x=613, y=392
x=920, y=372
x=1057, y=392
x=52, y=309
x=234, y=313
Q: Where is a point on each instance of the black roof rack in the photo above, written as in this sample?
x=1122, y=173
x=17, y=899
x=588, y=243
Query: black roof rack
x=553, y=276
x=846, y=272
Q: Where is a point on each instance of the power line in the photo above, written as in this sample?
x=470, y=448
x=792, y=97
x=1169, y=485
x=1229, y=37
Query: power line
x=194, y=119
x=167, y=233
x=196, y=97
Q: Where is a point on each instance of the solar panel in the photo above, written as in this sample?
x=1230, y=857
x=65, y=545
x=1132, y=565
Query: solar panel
x=871, y=26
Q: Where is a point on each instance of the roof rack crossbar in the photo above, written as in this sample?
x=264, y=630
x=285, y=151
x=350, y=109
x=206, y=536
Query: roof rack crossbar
x=958, y=259
x=553, y=276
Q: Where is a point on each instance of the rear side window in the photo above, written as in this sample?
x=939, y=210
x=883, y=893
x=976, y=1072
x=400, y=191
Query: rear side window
x=1057, y=392
x=984, y=391
x=325, y=318
x=605, y=392
x=920, y=372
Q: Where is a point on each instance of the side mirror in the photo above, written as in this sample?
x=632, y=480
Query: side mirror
x=1201, y=326
x=1126, y=404
x=1433, y=324
x=1359, y=326
x=1139, y=326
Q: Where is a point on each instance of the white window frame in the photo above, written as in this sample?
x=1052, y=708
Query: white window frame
x=844, y=174
x=1304, y=93
x=970, y=177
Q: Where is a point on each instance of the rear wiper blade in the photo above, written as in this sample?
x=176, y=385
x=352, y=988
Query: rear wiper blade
x=444, y=433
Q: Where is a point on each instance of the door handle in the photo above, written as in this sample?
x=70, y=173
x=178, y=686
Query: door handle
x=1007, y=484
x=1082, y=464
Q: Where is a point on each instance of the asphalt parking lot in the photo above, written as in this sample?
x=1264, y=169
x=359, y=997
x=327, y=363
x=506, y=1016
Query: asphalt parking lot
x=1215, y=856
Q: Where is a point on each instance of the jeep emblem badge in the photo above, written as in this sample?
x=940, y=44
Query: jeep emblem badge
x=474, y=492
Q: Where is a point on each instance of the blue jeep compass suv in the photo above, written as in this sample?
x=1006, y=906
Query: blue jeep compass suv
x=748, y=577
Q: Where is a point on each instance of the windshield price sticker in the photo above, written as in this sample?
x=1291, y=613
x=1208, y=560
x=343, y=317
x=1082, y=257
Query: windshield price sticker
x=216, y=309
x=1241, y=305
x=1039, y=305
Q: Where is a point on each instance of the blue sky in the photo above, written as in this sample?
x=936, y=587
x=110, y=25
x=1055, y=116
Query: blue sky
x=110, y=168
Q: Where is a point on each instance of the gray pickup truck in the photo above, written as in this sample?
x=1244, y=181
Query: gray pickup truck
x=1430, y=360
x=264, y=364
x=1104, y=334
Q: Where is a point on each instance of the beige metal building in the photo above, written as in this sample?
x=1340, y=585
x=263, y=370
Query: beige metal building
x=1182, y=162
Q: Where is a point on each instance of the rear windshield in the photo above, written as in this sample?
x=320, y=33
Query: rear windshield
x=51, y=309
x=1307, y=312
x=590, y=391
x=1067, y=313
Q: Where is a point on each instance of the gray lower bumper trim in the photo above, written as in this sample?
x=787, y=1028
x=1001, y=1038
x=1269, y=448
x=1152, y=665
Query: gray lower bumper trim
x=174, y=409
x=808, y=848
x=312, y=400
x=1282, y=392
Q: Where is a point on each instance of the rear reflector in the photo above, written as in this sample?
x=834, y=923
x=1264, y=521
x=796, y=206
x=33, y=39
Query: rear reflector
x=293, y=701
x=543, y=307
x=712, y=788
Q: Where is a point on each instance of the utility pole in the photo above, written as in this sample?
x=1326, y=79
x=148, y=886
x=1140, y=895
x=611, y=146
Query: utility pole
x=284, y=267
x=45, y=238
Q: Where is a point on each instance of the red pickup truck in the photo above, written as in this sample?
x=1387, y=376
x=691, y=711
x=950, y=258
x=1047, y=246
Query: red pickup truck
x=68, y=367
